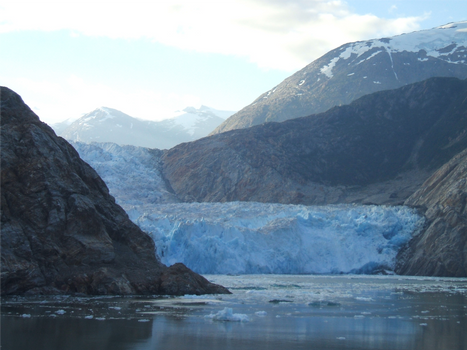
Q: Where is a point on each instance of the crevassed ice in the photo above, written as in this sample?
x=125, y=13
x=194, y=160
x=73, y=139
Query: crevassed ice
x=248, y=238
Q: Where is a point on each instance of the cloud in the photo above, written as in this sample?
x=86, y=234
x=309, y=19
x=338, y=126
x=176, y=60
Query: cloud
x=271, y=33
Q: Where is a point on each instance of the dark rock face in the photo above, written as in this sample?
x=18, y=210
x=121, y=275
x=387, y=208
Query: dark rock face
x=62, y=231
x=378, y=149
x=441, y=248
x=357, y=69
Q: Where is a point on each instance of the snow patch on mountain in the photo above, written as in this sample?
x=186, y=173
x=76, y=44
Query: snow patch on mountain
x=448, y=42
x=327, y=69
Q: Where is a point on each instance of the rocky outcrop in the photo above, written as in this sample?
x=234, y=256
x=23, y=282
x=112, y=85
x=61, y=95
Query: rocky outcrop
x=379, y=149
x=61, y=230
x=357, y=69
x=441, y=248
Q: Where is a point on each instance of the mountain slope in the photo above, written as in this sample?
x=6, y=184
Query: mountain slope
x=441, y=249
x=378, y=149
x=110, y=125
x=357, y=69
x=61, y=230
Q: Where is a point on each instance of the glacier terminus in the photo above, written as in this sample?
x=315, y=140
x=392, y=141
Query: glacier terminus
x=251, y=237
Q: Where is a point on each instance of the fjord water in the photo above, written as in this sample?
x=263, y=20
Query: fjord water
x=264, y=312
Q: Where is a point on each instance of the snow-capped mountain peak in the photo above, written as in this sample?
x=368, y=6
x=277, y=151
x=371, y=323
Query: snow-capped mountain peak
x=447, y=42
x=192, y=119
x=106, y=124
x=357, y=69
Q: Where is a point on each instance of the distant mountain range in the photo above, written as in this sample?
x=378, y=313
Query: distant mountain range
x=378, y=149
x=110, y=125
x=356, y=69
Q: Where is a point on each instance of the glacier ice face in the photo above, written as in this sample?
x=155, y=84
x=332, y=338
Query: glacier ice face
x=247, y=237
x=252, y=238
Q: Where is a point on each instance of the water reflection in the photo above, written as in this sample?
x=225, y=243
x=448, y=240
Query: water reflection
x=321, y=313
x=73, y=334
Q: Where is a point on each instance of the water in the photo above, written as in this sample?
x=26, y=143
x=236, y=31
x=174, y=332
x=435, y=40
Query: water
x=268, y=312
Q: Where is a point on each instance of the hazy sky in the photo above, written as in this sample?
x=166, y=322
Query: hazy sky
x=150, y=58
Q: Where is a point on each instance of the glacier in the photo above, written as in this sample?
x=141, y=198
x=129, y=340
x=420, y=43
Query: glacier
x=259, y=238
x=249, y=237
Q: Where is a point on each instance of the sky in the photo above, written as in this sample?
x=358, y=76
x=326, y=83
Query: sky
x=151, y=58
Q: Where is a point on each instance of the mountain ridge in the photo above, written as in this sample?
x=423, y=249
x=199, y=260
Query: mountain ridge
x=357, y=69
x=106, y=124
x=329, y=157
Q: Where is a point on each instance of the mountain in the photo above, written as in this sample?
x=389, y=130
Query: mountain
x=379, y=149
x=199, y=122
x=441, y=248
x=110, y=125
x=357, y=69
x=62, y=232
x=60, y=127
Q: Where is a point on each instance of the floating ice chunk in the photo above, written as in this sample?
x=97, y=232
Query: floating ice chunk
x=322, y=303
x=26, y=315
x=60, y=312
x=228, y=315
x=423, y=324
x=364, y=299
x=89, y=317
x=261, y=313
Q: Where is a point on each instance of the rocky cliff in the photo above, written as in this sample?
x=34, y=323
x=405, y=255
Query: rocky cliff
x=357, y=69
x=61, y=231
x=379, y=149
x=441, y=248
